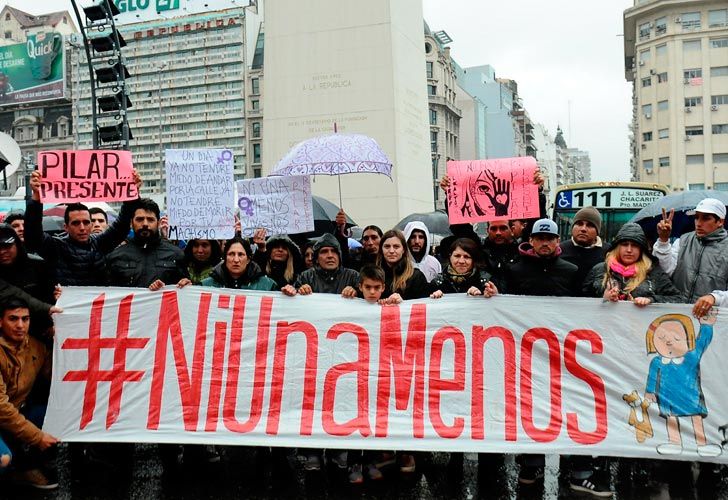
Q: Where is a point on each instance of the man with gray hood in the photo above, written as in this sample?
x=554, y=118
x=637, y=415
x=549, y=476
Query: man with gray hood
x=326, y=275
x=419, y=243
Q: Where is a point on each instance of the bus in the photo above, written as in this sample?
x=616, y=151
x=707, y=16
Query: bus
x=616, y=201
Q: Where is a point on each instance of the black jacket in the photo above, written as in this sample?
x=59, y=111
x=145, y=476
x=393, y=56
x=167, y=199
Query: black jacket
x=534, y=275
x=498, y=258
x=583, y=258
x=73, y=263
x=139, y=264
x=446, y=284
x=416, y=287
x=656, y=286
x=322, y=281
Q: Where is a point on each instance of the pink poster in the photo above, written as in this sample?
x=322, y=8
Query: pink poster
x=78, y=176
x=486, y=190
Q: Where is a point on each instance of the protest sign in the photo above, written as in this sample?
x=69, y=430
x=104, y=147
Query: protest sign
x=200, y=194
x=281, y=205
x=486, y=190
x=78, y=176
x=506, y=374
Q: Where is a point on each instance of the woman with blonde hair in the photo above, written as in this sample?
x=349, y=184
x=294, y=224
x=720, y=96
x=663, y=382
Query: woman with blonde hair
x=628, y=272
x=401, y=275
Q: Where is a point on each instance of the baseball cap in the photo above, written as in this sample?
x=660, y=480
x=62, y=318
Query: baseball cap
x=710, y=206
x=545, y=226
x=7, y=234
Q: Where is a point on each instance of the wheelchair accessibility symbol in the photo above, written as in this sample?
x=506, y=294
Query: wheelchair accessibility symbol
x=564, y=200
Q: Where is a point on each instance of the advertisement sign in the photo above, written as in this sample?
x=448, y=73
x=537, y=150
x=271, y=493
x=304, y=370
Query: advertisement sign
x=135, y=11
x=32, y=71
x=509, y=374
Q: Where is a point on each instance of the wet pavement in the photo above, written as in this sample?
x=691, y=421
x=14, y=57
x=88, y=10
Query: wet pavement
x=256, y=473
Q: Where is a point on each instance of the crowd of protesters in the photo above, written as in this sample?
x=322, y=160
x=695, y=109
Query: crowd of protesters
x=519, y=257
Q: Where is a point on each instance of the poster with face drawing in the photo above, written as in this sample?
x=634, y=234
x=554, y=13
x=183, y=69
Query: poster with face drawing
x=486, y=190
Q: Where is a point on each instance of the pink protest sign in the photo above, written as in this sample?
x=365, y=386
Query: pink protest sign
x=77, y=176
x=486, y=190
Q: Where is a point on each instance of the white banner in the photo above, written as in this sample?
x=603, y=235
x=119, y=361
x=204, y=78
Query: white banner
x=200, y=194
x=281, y=205
x=507, y=374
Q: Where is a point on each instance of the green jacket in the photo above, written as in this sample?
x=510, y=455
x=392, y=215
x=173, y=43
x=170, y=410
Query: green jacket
x=252, y=279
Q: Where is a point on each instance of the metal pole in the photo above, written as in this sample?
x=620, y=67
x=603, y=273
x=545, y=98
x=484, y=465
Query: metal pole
x=92, y=80
x=159, y=98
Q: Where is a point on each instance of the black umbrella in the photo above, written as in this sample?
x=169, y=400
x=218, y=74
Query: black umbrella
x=437, y=222
x=324, y=215
x=53, y=224
x=681, y=202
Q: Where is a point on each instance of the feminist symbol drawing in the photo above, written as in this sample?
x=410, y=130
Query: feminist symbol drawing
x=246, y=205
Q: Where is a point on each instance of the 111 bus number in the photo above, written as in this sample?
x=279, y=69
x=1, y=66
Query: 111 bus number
x=593, y=198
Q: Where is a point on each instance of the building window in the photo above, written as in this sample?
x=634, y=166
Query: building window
x=644, y=31
x=647, y=110
x=255, y=104
x=689, y=74
x=647, y=81
x=256, y=130
x=698, y=130
x=432, y=89
x=661, y=50
x=255, y=86
x=433, y=141
x=7, y=16
x=65, y=20
x=719, y=71
x=257, y=173
x=62, y=129
x=664, y=161
x=19, y=133
x=718, y=43
x=8, y=34
x=646, y=136
x=721, y=186
x=662, y=77
x=719, y=99
x=662, y=106
x=429, y=65
x=256, y=153
x=696, y=187
x=433, y=117
x=691, y=102
x=661, y=26
x=691, y=45
x=690, y=20
x=648, y=165
x=720, y=157
x=721, y=128
x=717, y=18
x=663, y=133
x=694, y=160
x=645, y=55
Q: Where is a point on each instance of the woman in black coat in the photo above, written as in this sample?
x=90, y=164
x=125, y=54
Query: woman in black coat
x=462, y=274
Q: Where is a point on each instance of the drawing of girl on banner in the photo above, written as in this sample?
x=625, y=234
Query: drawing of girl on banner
x=674, y=378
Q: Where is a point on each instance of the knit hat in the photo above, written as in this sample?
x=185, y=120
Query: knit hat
x=633, y=232
x=591, y=215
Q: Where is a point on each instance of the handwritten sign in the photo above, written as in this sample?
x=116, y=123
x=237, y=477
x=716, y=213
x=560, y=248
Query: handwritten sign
x=486, y=190
x=281, y=205
x=200, y=195
x=78, y=176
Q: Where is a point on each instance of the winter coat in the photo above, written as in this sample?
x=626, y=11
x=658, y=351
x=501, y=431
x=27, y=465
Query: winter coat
x=429, y=265
x=446, y=284
x=656, y=285
x=322, y=281
x=140, y=263
x=30, y=274
x=74, y=263
x=278, y=269
x=498, y=258
x=415, y=288
x=252, y=279
x=585, y=258
x=702, y=264
x=19, y=368
x=542, y=276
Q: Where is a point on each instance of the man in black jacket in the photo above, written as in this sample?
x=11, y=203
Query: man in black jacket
x=146, y=260
x=327, y=275
x=585, y=248
x=78, y=257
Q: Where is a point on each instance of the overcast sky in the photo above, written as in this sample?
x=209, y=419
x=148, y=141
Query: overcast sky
x=558, y=51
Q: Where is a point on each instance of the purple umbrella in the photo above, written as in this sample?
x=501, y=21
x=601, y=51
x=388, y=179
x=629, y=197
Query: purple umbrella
x=335, y=154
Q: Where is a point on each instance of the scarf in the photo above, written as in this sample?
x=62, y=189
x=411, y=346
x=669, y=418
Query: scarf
x=457, y=278
x=625, y=271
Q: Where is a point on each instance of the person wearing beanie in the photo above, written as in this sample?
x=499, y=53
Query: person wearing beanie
x=327, y=275
x=628, y=272
x=584, y=249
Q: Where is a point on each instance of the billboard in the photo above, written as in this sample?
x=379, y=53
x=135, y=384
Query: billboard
x=32, y=71
x=136, y=11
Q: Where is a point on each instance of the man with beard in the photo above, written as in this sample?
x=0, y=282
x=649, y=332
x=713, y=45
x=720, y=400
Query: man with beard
x=146, y=260
x=418, y=241
x=584, y=249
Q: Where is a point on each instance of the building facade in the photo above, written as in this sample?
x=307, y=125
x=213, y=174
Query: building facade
x=42, y=124
x=676, y=56
x=189, y=87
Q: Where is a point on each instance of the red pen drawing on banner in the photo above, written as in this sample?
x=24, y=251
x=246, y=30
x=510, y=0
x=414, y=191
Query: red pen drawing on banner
x=486, y=190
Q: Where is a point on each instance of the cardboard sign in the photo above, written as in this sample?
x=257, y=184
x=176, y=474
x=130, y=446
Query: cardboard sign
x=79, y=176
x=200, y=194
x=281, y=205
x=486, y=190
x=507, y=374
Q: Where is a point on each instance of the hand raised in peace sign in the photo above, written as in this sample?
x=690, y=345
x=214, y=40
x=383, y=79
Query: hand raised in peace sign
x=664, y=227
